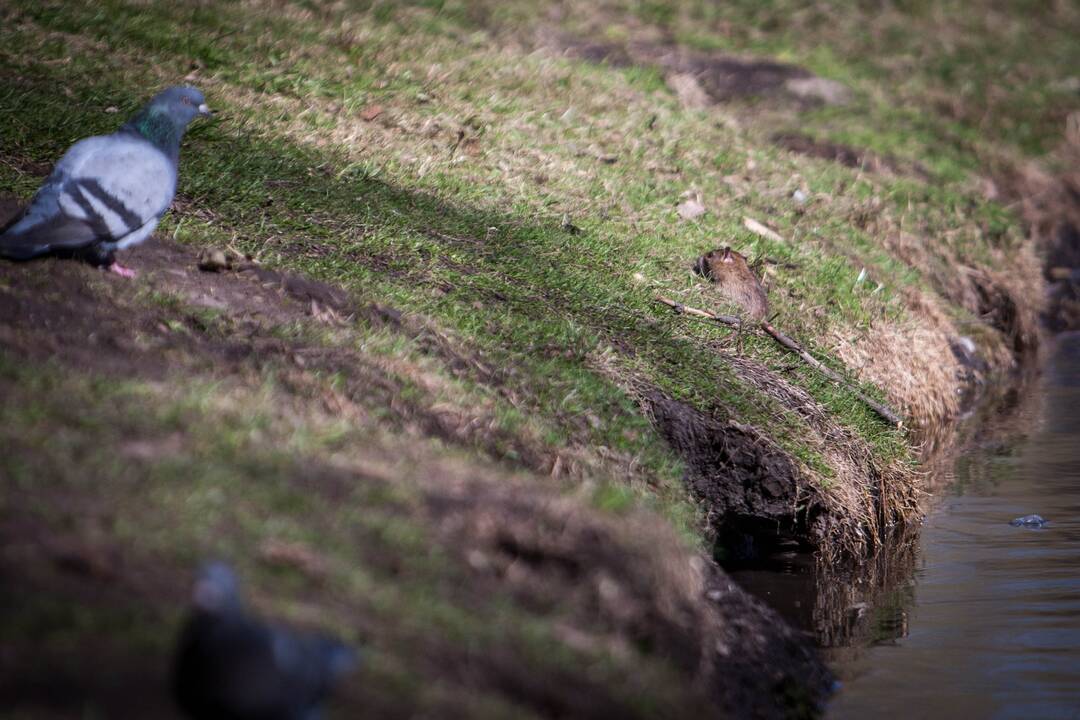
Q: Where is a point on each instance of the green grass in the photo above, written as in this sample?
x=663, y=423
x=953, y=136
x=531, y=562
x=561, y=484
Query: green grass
x=474, y=240
x=382, y=212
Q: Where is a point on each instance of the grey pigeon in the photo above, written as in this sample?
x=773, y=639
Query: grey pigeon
x=231, y=665
x=108, y=192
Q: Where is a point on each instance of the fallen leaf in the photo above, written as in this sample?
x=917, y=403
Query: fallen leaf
x=690, y=209
x=689, y=91
x=819, y=89
x=293, y=554
x=371, y=112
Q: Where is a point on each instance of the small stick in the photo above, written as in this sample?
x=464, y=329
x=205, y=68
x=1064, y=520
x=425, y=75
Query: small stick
x=887, y=413
x=758, y=229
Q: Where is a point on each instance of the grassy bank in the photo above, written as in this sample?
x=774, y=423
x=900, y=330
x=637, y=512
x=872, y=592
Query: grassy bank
x=475, y=372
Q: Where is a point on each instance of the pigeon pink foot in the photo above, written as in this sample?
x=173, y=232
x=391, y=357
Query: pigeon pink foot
x=121, y=270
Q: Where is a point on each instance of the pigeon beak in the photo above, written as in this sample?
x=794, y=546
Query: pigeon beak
x=205, y=111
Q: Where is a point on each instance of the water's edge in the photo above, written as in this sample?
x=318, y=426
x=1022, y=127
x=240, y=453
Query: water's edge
x=966, y=614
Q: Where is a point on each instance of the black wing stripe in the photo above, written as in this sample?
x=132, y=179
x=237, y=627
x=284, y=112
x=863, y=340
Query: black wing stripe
x=93, y=218
x=130, y=218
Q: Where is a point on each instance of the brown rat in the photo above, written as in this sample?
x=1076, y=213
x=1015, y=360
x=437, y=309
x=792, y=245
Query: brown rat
x=736, y=281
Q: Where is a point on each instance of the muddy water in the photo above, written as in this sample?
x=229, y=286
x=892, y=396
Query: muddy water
x=975, y=618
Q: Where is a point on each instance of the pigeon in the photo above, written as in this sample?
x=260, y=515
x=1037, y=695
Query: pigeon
x=231, y=665
x=108, y=192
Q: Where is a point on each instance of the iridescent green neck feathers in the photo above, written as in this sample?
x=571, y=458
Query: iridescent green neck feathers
x=157, y=126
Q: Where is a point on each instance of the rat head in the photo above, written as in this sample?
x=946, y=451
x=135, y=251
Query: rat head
x=707, y=265
x=216, y=589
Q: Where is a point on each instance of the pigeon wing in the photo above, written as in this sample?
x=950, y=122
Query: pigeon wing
x=309, y=665
x=105, y=189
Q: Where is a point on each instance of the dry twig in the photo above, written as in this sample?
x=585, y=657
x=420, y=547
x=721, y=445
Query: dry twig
x=887, y=413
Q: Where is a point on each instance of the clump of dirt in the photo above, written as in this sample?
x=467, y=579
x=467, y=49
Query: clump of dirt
x=846, y=155
x=720, y=77
x=754, y=496
x=628, y=584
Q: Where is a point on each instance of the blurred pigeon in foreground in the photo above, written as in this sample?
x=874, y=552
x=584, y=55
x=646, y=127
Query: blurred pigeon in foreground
x=108, y=192
x=233, y=666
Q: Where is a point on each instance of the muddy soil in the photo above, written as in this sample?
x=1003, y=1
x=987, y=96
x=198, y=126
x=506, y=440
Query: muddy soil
x=756, y=498
x=721, y=77
x=847, y=155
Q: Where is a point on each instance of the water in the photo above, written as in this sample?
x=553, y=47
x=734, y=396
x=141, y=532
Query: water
x=977, y=619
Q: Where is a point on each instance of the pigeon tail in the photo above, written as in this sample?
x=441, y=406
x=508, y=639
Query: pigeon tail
x=12, y=222
x=22, y=252
x=16, y=245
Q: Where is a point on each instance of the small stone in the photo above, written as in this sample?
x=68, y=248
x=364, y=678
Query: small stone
x=478, y=560
x=568, y=225
x=1031, y=521
x=213, y=260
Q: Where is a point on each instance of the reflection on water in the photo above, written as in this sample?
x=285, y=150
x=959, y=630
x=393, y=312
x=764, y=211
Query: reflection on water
x=840, y=607
x=978, y=619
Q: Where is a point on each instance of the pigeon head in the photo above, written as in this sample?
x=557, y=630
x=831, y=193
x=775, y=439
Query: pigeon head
x=166, y=117
x=216, y=589
x=182, y=102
